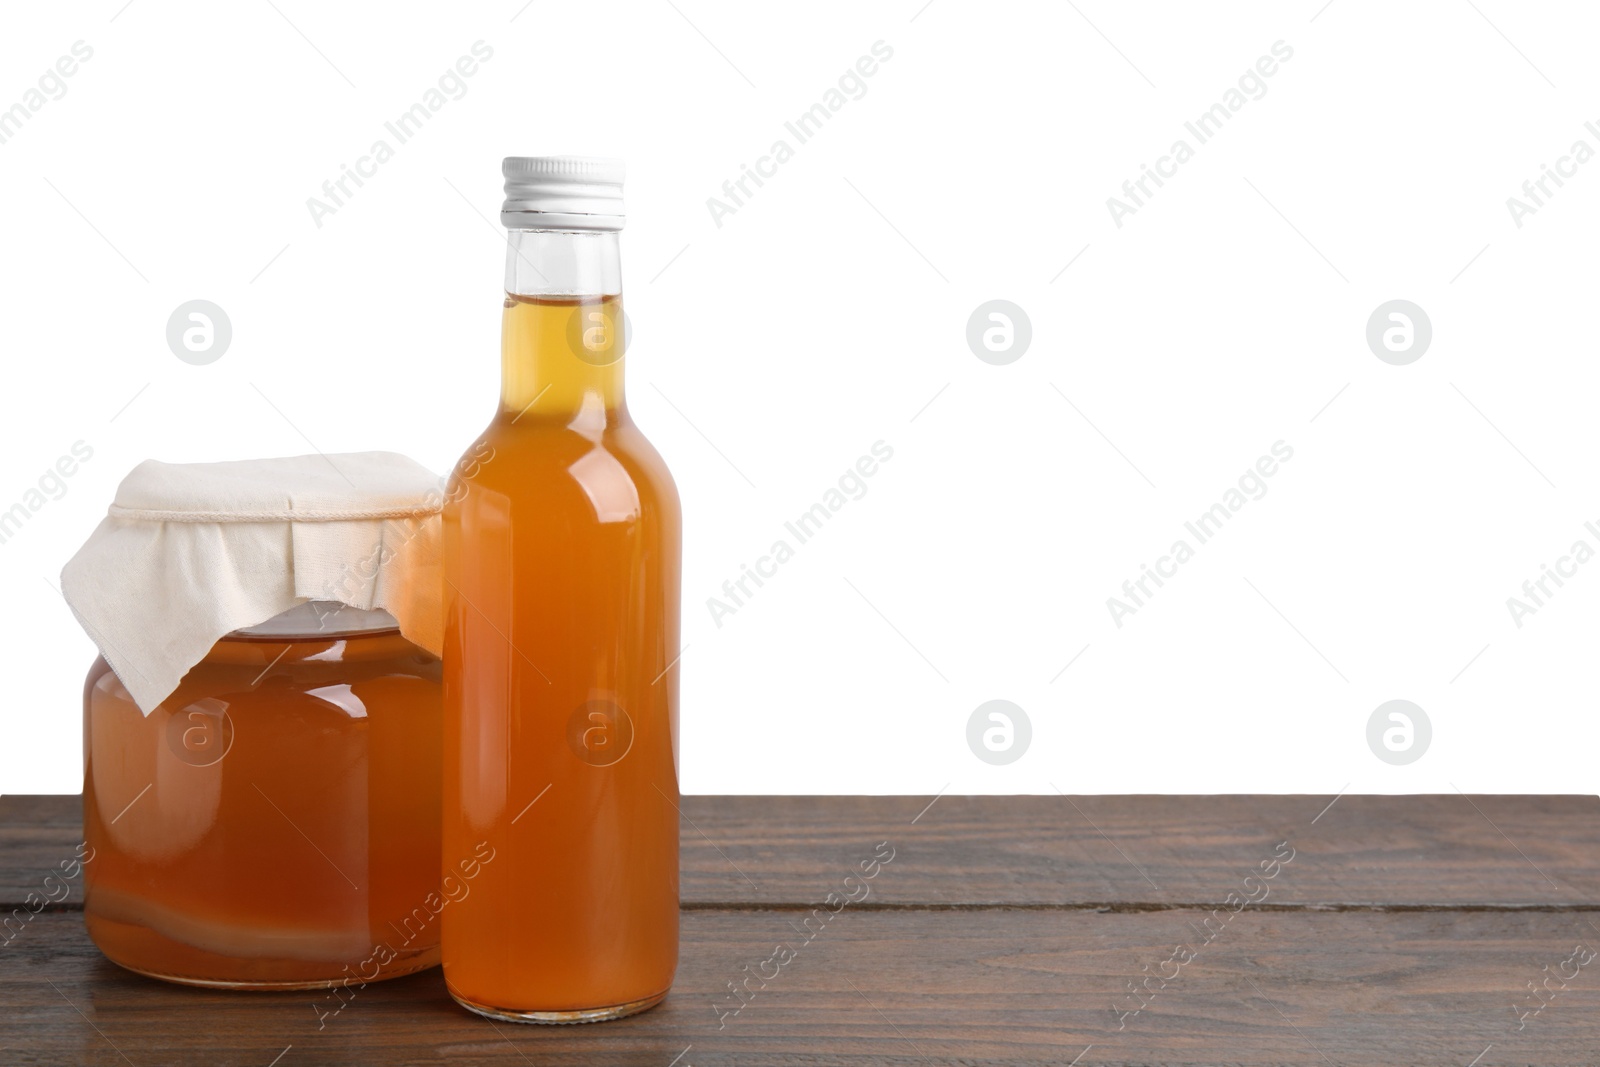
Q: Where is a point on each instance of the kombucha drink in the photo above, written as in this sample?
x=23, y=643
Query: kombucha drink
x=562, y=553
x=274, y=823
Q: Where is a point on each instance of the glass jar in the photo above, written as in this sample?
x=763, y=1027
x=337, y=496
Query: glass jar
x=274, y=823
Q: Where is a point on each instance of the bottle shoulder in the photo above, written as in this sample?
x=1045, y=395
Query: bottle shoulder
x=613, y=469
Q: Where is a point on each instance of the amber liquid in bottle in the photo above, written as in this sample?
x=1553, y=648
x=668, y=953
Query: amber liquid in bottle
x=562, y=551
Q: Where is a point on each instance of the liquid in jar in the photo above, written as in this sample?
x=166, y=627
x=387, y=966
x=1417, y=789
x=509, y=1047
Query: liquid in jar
x=274, y=823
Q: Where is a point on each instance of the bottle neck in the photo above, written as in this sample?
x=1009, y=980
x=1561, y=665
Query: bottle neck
x=562, y=331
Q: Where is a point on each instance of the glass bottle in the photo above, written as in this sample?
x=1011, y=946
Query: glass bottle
x=562, y=546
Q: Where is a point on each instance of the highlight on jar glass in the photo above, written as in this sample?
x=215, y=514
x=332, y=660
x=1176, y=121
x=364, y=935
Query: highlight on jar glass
x=261, y=731
x=562, y=555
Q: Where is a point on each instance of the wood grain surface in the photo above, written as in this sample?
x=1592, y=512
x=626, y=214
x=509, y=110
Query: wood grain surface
x=1007, y=930
x=1509, y=851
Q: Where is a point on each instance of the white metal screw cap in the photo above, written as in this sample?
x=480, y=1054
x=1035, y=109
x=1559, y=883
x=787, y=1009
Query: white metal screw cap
x=562, y=193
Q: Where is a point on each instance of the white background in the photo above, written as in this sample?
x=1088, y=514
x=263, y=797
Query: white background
x=829, y=312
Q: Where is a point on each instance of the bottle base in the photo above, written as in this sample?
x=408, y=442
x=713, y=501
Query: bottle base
x=561, y=1018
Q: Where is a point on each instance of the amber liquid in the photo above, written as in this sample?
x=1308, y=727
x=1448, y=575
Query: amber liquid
x=562, y=553
x=274, y=822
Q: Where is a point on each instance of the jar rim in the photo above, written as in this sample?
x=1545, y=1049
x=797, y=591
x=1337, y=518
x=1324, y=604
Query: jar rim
x=314, y=619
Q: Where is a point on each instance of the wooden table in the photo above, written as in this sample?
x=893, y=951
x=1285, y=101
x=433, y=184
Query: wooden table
x=1270, y=930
